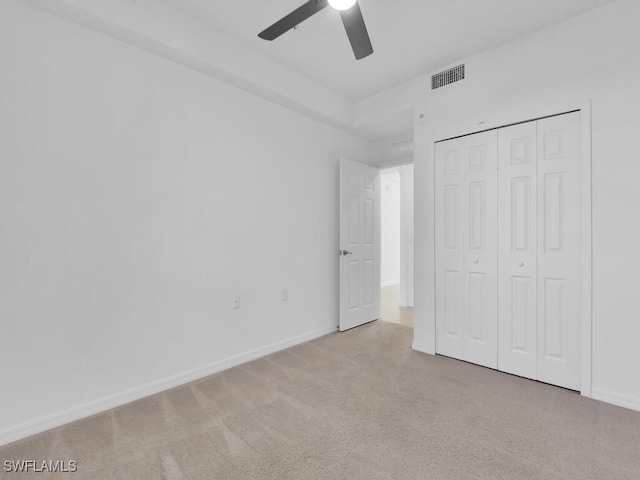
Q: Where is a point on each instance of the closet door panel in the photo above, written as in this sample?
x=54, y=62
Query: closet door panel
x=449, y=183
x=559, y=250
x=480, y=155
x=517, y=211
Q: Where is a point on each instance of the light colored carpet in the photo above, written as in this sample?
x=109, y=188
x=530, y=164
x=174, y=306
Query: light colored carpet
x=354, y=405
x=390, y=309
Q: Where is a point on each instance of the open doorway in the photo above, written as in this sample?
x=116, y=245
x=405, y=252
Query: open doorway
x=396, y=267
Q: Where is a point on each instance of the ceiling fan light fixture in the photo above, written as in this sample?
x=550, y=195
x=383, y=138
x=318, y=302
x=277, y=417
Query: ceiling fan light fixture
x=350, y=15
x=342, y=4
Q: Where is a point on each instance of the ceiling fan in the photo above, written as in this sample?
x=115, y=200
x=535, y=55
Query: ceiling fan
x=351, y=18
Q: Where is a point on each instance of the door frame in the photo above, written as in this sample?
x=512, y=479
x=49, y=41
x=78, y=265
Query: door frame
x=425, y=336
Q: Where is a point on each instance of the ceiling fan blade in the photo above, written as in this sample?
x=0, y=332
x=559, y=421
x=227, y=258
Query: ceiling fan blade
x=296, y=17
x=357, y=31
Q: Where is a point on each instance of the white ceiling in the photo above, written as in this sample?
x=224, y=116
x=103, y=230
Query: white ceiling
x=410, y=37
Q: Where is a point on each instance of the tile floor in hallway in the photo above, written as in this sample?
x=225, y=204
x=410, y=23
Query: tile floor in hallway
x=390, y=309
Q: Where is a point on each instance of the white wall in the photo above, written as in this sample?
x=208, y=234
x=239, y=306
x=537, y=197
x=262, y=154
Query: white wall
x=397, y=212
x=136, y=198
x=393, y=151
x=592, y=56
x=169, y=32
x=406, y=235
x=390, y=227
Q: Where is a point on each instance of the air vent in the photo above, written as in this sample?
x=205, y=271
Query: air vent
x=452, y=75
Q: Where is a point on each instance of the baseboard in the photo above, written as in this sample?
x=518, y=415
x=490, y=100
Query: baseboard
x=100, y=405
x=619, y=399
x=421, y=347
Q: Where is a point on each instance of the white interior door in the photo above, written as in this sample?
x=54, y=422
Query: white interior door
x=559, y=250
x=359, y=244
x=518, y=252
x=466, y=248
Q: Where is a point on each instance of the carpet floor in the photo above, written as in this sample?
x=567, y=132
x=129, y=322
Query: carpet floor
x=353, y=405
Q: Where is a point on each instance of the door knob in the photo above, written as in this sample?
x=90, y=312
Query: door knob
x=345, y=252
x=521, y=264
x=476, y=260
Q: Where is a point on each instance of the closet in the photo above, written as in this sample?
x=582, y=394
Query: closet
x=508, y=249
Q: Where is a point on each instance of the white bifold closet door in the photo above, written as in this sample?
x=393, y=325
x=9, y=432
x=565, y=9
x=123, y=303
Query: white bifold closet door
x=540, y=250
x=508, y=249
x=466, y=248
x=559, y=250
x=518, y=251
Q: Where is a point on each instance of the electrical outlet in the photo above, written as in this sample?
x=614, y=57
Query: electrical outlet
x=236, y=302
x=285, y=294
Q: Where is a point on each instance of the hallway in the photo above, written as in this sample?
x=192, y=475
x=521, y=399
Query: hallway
x=391, y=311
